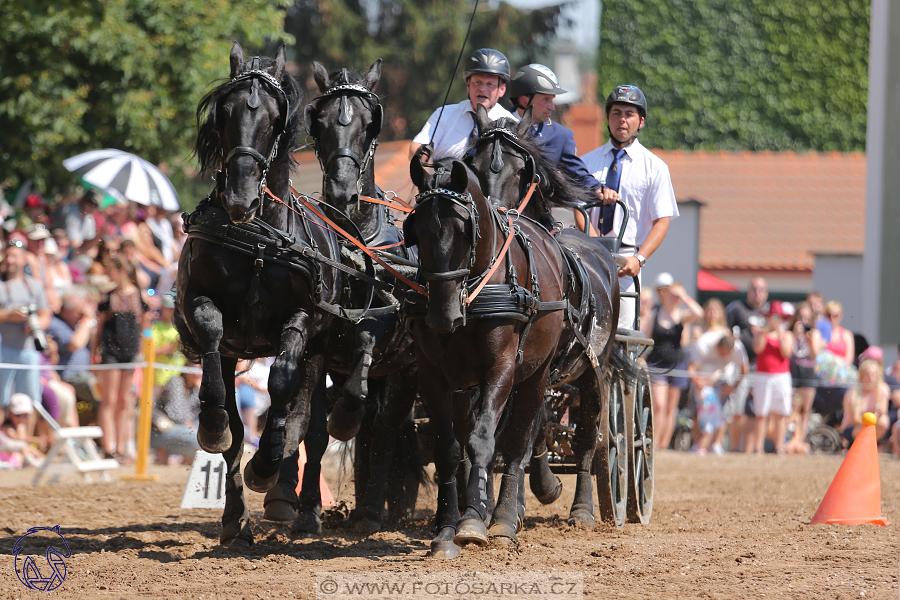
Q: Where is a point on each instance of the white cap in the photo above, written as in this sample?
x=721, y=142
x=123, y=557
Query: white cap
x=663, y=280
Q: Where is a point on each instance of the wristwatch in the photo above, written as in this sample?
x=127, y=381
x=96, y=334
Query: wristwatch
x=641, y=260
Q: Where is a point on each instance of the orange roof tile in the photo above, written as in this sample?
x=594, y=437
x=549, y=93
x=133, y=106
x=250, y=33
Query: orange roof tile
x=772, y=210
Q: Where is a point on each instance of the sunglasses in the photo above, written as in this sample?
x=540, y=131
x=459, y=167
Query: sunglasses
x=15, y=243
x=834, y=316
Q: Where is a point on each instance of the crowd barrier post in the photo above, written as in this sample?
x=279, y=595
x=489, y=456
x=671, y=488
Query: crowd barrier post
x=145, y=410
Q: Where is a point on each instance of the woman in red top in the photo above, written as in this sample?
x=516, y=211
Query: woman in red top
x=772, y=393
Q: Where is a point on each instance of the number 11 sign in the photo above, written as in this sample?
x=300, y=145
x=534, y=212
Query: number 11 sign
x=206, y=485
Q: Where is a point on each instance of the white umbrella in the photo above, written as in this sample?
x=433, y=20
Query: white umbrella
x=131, y=176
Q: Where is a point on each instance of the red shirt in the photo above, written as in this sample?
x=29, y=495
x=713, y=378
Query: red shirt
x=770, y=359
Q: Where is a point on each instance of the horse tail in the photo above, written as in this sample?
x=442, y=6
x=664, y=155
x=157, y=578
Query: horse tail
x=620, y=365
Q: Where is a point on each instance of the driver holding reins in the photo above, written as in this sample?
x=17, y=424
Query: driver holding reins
x=487, y=72
x=641, y=179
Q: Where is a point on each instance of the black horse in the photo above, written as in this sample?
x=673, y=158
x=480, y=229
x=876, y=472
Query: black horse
x=371, y=357
x=255, y=278
x=500, y=342
x=506, y=161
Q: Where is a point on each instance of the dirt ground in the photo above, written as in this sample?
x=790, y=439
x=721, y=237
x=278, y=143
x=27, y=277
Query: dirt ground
x=722, y=527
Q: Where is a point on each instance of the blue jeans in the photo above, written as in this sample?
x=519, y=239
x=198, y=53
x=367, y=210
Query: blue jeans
x=27, y=381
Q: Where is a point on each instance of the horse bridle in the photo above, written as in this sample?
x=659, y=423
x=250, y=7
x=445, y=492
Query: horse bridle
x=256, y=74
x=512, y=138
x=343, y=89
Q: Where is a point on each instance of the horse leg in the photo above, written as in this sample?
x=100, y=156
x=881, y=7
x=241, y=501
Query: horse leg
x=480, y=448
x=347, y=414
x=447, y=452
x=213, y=433
x=395, y=405
x=544, y=483
x=286, y=386
x=584, y=443
x=236, y=516
x=515, y=445
x=309, y=512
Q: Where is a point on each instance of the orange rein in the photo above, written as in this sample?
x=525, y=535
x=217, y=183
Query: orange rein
x=349, y=237
x=506, y=244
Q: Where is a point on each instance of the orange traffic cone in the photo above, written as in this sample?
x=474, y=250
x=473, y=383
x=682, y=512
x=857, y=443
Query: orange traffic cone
x=327, y=498
x=854, y=497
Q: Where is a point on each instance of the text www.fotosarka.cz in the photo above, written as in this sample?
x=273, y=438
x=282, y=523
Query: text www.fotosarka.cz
x=477, y=585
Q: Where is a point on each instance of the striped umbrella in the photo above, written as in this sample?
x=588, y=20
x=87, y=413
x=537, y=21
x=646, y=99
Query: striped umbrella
x=129, y=175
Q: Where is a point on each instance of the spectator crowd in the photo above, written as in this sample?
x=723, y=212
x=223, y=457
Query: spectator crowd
x=81, y=280
x=760, y=375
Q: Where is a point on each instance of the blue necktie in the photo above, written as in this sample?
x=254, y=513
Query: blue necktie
x=612, y=182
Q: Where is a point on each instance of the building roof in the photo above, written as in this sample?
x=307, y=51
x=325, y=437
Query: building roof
x=762, y=211
x=772, y=210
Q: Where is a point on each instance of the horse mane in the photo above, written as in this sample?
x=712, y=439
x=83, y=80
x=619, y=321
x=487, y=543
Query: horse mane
x=557, y=187
x=208, y=146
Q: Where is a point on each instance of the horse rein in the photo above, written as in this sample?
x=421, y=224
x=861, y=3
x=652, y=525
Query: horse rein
x=255, y=74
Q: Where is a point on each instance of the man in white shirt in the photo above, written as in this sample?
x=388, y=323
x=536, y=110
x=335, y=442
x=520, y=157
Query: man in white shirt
x=644, y=184
x=486, y=76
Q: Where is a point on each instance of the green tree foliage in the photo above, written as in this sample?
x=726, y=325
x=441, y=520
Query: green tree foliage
x=419, y=41
x=742, y=74
x=82, y=74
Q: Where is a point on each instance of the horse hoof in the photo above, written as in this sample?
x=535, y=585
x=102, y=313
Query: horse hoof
x=259, y=483
x=367, y=526
x=551, y=497
x=581, y=518
x=279, y=510
x=214, y=440
x=443, y=546
x=470, y=531
x=307, y=524
x=503, y=533
x=344, y=424
x=236, y=535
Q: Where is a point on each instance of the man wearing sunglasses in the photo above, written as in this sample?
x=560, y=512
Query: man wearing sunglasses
x=21, y=296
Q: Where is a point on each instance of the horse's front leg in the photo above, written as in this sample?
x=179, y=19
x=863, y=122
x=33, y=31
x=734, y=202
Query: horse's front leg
x=480, y=449
x=236, y=516
x=348, y=412
x=213, y=434
x=291, y=381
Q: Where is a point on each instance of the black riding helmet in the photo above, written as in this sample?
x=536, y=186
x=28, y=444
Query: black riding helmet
x=626, y=94
x=490, y=61
x=530, y=80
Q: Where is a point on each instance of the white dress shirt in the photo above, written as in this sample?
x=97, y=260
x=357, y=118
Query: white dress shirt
x=645, y=186
x=456, y=127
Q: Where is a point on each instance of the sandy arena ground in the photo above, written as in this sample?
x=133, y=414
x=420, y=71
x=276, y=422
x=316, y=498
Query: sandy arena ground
x=722, y=527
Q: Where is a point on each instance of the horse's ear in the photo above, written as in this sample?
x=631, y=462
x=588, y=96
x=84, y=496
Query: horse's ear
x=373, y=75
x=459, y=177
x=237, y=59
x=417, y=173
x=321, y=77
x=525, y=122
x=482, y=118
x=277, y=69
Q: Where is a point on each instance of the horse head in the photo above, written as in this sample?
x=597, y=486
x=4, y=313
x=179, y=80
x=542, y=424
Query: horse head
x=246, y=129
x=507, y=161
x=345, y=120
x=445, y=227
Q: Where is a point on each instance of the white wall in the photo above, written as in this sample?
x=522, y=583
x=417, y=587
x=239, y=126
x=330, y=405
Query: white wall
x=840, y=277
